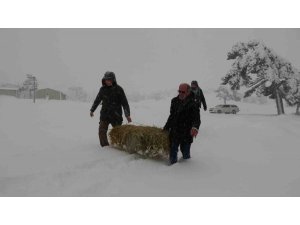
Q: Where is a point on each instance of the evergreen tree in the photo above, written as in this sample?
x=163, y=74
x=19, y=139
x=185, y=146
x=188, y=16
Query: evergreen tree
x=262, y=71
x=291, y=89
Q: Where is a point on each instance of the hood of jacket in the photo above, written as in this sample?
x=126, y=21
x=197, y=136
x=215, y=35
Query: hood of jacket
x=109, y=76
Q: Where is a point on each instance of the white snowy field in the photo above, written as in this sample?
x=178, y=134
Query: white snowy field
x=51, y=148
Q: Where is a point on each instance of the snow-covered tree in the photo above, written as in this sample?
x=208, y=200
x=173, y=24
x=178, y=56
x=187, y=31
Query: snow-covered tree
x=30, y=83
x=29, y=86
x=224, y=93
x=262, y=71
x=236, y=95
x=291, y=89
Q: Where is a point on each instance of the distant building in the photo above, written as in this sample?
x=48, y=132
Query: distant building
x=10, y=90
x=48, y=93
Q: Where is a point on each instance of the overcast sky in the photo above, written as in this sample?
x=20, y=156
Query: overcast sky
x=143, y=59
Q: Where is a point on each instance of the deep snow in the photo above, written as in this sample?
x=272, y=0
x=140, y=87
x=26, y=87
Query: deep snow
x=51, y=148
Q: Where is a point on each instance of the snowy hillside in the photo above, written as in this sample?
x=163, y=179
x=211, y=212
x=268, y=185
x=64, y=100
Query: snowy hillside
x=51, y=148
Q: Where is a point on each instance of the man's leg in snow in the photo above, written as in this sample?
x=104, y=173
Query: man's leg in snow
x=103, y=127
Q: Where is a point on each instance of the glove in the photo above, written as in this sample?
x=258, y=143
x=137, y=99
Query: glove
x=205, y=109
x=194, y=132
x=91, y=114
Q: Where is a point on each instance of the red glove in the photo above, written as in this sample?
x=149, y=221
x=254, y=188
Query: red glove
x=194, y=132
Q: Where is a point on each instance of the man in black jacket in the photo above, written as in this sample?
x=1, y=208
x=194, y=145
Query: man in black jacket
x=113, y=98
x=183, y=123
x=199, y=97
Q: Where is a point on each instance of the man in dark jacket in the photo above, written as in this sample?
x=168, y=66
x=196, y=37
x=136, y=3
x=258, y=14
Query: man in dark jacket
x=199, y=97
x=183, y=123
x=113, y=98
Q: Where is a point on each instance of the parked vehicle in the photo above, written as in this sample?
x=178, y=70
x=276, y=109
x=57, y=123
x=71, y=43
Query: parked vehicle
x=224, y=109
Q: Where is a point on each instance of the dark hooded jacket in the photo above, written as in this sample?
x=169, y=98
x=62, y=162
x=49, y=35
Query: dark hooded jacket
x=184, y=114
x=199, y=97
x=113, y=99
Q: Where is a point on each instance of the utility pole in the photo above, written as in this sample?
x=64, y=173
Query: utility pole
x=34, y=87
x=33, y=81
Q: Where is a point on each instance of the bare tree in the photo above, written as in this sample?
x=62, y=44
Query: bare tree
x=224, y=93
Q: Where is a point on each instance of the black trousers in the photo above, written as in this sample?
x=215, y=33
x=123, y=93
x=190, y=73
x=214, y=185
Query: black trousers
x=103, y=127
x=184, y=148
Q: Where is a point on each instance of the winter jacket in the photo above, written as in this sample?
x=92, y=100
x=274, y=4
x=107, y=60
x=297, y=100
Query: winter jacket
x=113, y=99
x=199, y=98
x=184, y=114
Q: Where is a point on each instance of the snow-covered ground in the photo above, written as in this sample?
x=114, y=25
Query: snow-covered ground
x=51, y=148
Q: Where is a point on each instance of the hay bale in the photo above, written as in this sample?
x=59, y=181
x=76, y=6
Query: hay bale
x=151, y=142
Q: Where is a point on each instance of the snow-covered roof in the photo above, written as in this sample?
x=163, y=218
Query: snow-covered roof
x=9, y=88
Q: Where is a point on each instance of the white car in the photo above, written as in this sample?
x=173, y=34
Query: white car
x=224, y=109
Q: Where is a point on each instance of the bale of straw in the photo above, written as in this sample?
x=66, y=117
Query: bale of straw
x=150, y=142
